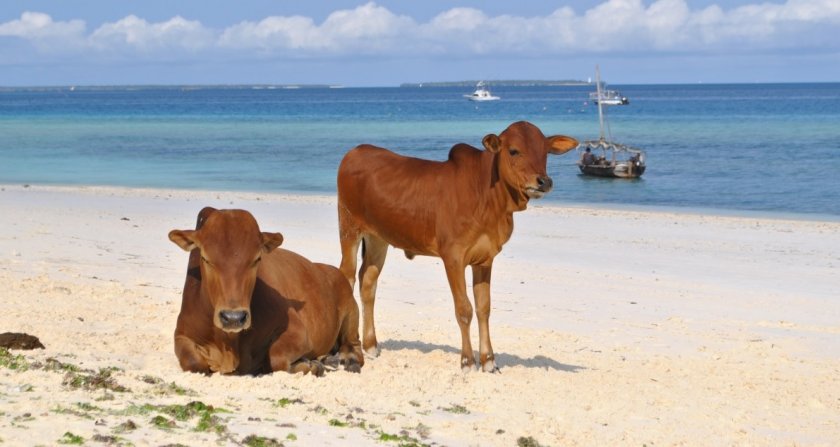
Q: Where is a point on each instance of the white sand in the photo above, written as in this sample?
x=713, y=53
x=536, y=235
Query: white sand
x=611, y=328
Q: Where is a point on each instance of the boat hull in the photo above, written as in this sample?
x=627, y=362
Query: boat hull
x=613, y=171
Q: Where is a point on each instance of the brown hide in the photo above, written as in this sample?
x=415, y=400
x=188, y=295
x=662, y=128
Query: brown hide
x=249, y=307
x=460, y=210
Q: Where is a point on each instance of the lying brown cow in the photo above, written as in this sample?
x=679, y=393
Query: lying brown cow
x=251, y=308
x=460, y=210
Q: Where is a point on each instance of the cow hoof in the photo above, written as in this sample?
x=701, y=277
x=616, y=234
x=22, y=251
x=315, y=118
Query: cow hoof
x=353, y=367
x=490, y=367
x=372, y=352
x=316, y=368
x=306, y=366
x=467, y=365
x=331, y=361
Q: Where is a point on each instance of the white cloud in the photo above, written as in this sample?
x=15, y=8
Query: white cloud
x=294, y=32
x=366, y=29
x=369, y=29
x=137, y=33
x=43, y=32
x=365, y=22
x=459, y=19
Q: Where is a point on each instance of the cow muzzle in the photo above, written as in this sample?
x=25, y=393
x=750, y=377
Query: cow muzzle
x=544, y=185
x=233, y=320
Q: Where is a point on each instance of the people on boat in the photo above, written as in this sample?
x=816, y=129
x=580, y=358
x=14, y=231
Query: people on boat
x=587, y=158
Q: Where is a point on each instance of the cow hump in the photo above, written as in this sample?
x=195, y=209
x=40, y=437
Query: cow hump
x=463, y=152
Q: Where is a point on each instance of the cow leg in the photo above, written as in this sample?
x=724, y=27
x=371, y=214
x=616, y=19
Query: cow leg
x=481, y=291
x=189, y=356
x=286, y=353
x=307, y=366
x=350, y=237
x=373, y=258
x=463, y=310
x=350, y=348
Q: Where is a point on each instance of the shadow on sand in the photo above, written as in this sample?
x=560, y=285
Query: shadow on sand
x=502, y=360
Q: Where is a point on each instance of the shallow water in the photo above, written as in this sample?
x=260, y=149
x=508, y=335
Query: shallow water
x=772, y=148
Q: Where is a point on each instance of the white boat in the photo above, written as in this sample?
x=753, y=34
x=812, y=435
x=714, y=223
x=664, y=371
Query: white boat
x=481, y=93
x=607, y=97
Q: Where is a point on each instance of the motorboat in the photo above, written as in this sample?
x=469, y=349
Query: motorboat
x=604, y=157
x=481, y=93
x=609, y=98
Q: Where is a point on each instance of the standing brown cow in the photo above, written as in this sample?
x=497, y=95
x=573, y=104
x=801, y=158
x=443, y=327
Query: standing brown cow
x=250, y=307
x=460, y=210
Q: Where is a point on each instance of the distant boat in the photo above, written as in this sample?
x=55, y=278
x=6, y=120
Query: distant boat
x=605, y=158
x=481, y=93
x=607, y=97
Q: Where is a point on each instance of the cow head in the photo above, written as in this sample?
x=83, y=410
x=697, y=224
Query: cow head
x=522, y=152
x=231, y=247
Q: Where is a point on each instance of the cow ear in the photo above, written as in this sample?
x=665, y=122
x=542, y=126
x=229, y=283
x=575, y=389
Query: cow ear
x=271, y=241
x=492, y=143
x=184, y=239
x=560, y=144
x=203, y=215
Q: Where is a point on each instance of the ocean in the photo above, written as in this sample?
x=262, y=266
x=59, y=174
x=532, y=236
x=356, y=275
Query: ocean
x=745, y=148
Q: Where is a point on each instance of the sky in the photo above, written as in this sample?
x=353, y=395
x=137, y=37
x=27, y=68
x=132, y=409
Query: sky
x=389, y=42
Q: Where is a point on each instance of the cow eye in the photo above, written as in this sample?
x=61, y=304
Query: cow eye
x=513, y=152
x=256, y=262
x=204, y=260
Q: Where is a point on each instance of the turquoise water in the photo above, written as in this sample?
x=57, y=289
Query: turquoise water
x=771, y=148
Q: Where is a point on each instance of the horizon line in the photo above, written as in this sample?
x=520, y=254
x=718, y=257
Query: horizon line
x=292, y=86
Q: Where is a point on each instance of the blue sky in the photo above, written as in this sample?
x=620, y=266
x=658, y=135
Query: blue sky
x=387, y=42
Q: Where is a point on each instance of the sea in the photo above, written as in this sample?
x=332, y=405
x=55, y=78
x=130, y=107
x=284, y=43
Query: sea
x=769, y=149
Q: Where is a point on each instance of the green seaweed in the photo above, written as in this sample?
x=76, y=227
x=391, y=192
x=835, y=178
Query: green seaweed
x=456, y=409
x=285, y=402
x=163, y=422
x=206, y=415
x=89, y=380
x=337, y=423
x=15, y=362
x=522, y=441
x=71, y=439
x=403, y=439
x=260, y=441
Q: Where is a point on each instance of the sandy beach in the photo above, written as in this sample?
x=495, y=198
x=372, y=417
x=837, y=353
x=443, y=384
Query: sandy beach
x=611, y=328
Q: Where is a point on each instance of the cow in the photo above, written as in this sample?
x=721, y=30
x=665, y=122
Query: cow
x=460, y=210
x=250, y=307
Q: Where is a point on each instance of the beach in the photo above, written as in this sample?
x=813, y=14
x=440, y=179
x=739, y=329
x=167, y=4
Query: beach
x=610, y=326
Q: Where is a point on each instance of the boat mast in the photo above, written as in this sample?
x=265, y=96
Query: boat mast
x=600, y=101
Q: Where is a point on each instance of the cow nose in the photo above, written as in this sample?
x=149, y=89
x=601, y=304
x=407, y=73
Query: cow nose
x=233, y=318
x=545, y=183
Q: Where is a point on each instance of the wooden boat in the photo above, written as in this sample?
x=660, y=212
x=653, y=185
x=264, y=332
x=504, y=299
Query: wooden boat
x=605, y=158
x=608, y=159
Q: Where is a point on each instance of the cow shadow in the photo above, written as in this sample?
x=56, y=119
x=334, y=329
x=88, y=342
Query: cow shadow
x=502, y=360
